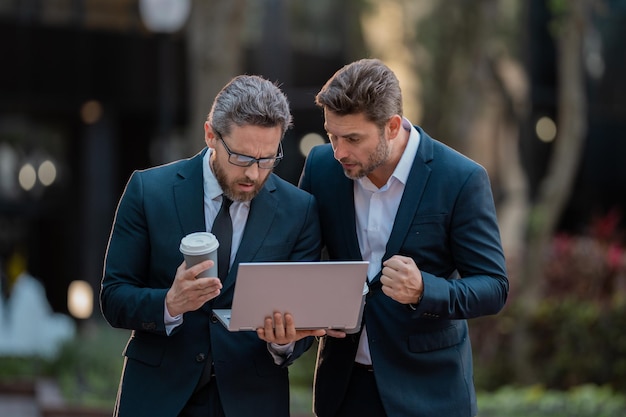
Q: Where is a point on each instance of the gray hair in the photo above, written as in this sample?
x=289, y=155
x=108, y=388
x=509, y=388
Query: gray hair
x=250, y=100
x=366, y=86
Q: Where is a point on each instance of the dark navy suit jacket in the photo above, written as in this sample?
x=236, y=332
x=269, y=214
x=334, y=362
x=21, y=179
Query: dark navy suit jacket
x=446, y=222
x=160, y=206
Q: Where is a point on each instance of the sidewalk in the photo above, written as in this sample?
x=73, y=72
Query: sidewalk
x=17, y=405
x=18, y=400
x=41, y=398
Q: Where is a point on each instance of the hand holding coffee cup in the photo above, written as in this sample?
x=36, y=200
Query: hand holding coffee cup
x=198, y=247
x=189, y=293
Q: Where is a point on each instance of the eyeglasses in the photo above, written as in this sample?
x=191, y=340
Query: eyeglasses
x=245, y=160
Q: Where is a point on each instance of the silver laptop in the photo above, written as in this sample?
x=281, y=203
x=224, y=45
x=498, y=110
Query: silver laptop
x=319, y=295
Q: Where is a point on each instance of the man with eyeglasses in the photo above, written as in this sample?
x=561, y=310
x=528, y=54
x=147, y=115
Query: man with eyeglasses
x=179, y=360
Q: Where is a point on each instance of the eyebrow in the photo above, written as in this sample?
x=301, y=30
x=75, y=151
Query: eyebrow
x=275, y=155
x=347, y=135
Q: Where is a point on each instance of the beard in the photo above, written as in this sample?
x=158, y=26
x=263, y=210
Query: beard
x=228, y=186
x=376, y=159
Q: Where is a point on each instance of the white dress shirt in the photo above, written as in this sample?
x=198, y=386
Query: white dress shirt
x=375, y=210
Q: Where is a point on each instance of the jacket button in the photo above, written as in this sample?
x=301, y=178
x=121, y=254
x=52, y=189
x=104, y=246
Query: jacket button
x=148, y=326
x=200, y=357
x=213, y=319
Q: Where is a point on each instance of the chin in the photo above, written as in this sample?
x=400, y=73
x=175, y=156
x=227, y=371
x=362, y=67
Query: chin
x=243, y=196
x=354, y=175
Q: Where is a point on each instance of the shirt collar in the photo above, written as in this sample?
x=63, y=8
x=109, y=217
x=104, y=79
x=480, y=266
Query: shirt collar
x=212, y=188
x=403, y=169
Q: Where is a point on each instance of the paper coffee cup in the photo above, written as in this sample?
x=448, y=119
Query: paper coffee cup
x=366, y=289
x=198, y=247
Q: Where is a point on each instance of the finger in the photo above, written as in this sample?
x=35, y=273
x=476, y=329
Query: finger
x=268, y=328
x=389, y=281
x=210, y=295
x=319, y=333
x=394, y=260
x=335, y=333
x=398, y=262
x=402, y=259
x=300, y=334
x=210, y=284
x=397, y=267
x=197, y=269
x=278, y=319
x=388, y=291
x=279, y=326
x=260, y=332
x=288, y=319
x=389, y=271
x=385, y=279
x=213, y=292
x=181, y=272
x=290, y=327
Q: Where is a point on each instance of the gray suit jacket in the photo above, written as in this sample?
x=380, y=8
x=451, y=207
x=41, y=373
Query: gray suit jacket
x=446, y=222
x=160, y=206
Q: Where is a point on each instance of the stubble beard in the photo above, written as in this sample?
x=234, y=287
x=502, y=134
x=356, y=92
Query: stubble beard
x=229, y=189
x=376, y=159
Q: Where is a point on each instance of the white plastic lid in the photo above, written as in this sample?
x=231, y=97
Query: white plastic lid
x=198, y=243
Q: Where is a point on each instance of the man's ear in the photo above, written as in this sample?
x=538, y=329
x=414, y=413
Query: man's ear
x=394, y=126
x=209, y=135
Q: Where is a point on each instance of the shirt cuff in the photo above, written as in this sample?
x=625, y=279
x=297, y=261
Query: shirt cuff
x=171, y=322
x=419, y=300
x=280, y=353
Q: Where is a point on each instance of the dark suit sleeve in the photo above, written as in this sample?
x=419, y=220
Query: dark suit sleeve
x=125, y=298
x=477, y=254
x=305, y=177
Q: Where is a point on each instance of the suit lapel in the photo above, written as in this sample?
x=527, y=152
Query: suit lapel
x=345, y=212
x=189, y=195
x=413, y=193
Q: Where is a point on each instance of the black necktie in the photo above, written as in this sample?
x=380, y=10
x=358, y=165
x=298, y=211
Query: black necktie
x=223, y=231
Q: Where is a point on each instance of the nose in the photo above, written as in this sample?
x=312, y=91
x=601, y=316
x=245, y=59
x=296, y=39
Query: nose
x=339, y=150
x=252, y=171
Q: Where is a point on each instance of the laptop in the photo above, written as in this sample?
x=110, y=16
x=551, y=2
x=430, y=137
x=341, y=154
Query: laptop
x=319, y=295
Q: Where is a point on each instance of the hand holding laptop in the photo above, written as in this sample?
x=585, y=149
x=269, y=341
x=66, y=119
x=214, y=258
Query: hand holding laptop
x=281, y=330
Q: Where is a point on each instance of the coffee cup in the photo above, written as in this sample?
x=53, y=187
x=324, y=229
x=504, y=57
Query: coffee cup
x=366, y=289
x=200, y=246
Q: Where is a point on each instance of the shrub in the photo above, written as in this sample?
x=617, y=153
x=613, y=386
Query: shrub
x=576, y=332
x=88, y=368
x=583, y=401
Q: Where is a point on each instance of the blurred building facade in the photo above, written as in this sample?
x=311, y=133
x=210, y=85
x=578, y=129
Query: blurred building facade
x=600, y=186
x=88, y=93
